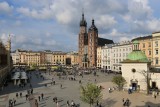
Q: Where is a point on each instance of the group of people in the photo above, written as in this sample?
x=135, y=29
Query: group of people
x=126, y=102
x=12, y=102
x=41, y=97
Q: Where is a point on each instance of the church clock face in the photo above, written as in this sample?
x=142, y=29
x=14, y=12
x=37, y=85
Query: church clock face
x=83, y=30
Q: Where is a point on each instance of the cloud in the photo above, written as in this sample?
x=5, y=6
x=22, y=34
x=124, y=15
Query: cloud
x=41, y=14
x=54, y=24
x=105, y=22
x=5, y=7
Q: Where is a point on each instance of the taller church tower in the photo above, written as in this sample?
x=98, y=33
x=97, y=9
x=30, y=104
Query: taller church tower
x=83, y=43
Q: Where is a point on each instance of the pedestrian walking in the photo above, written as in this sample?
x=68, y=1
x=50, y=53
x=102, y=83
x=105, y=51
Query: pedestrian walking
x=36, y=103
x=14, y=101
x=42, y=95
x=17, y=95
x=20, y=94
x=68, y=103
x=123, y=100
x=155, y=96
x=39, y=98
x=61, y=85
x=32, y=91
x=26, y=96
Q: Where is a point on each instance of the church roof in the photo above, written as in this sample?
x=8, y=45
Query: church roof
x=93, y=27
x=103, y=41
x=136, y=56
x=83, y=21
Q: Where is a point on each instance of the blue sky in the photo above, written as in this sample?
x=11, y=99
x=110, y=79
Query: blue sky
x=54, y=24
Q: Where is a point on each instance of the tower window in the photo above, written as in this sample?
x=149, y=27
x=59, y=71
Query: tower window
x=156, y=60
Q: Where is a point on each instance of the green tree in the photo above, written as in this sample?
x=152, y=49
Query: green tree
x=90, y=93
x=119, y=81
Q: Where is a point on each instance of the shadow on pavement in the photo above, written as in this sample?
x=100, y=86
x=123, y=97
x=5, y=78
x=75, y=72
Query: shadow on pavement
x=36, y=82
x=150, y=104
x=108, y=102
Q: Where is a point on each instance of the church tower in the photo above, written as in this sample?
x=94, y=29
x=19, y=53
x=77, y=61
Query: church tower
x=83, y=42
x=92, y=44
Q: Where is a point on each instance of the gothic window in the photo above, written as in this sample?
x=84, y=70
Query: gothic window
x=156, y=60
x=156, y=43
x=156, y=51
x=143, y=45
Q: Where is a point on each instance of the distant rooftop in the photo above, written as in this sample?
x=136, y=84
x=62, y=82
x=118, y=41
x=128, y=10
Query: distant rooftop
x=142, y=38
x=102, y=41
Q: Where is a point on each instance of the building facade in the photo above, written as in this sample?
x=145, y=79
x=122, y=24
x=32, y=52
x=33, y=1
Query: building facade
x=156, y=49
x=99, y=57
x=146, y=46
x=136, y=70
x=150, y=46
x=72, y=58
x=38, y=58
x=88, y=44
x=5, y=61
x=114, y=54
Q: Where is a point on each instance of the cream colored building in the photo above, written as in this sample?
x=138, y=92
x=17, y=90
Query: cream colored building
x=156, y=49
x=113, y=54
x=49, y=58
x=106, y=56
x=99, y=57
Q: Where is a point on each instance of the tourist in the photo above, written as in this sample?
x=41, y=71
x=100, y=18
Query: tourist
x=68, y=103
x=72, y=103
x=61, y=85
x=42, y=95
x=14, y=101
x=109, y=90
x=17, y=95
x=123, y=100
x=39, y=98
x=20, y=94
x=32, y=91
x=26, y=96
x=36, y=103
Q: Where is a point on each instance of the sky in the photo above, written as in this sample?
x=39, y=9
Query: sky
x=54, y=24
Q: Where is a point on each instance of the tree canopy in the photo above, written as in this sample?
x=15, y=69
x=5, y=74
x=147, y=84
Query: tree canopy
x=90, y=93
x=119, y=81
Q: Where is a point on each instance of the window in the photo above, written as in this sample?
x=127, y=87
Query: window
x=149, y=44
x=149, y=52
x=156, y=43
x=156, y=60
x=143, y=45
x=156, y=51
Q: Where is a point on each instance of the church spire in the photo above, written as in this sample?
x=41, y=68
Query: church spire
x=83, y=21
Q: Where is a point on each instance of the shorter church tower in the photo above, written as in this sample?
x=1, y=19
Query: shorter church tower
x=92, y=44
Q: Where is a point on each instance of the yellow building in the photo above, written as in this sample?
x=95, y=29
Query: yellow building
x=145, y=45
x=99, y=57
x=72, y=58
x=32, y=58
x=59, y=57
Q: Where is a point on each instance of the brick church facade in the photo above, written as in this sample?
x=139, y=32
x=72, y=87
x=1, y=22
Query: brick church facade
x=88, y=43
